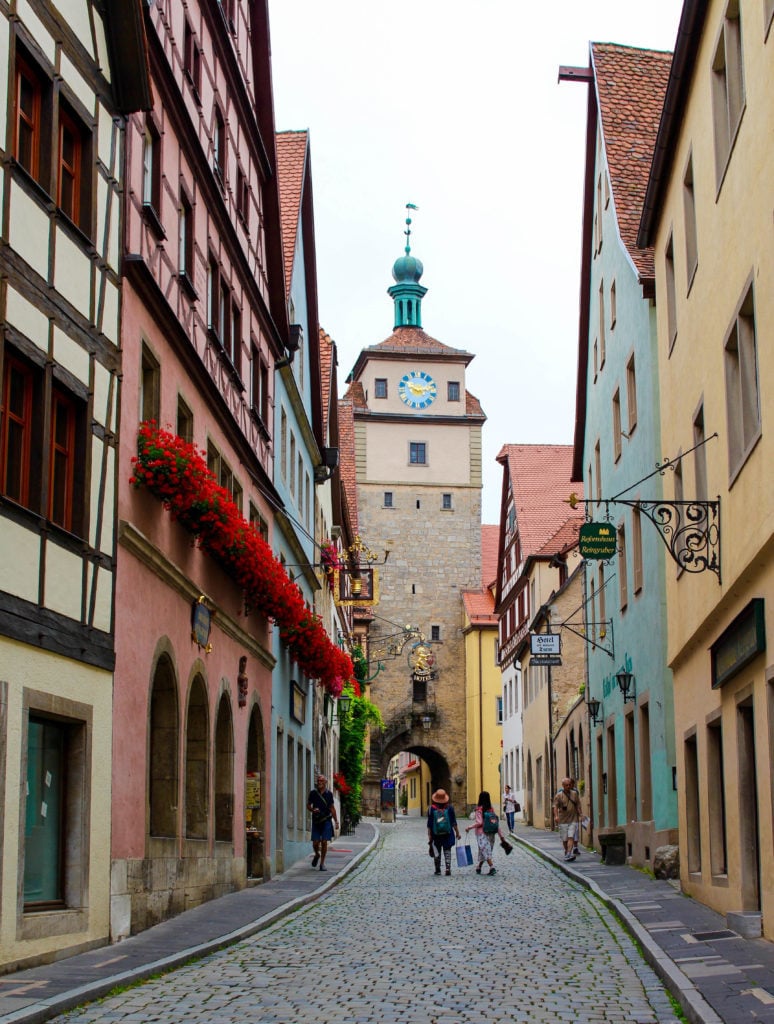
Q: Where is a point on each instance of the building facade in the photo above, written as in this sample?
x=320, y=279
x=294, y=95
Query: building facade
x=707, y=214
x=204, y=320
x=617, y=445
x=73, y=73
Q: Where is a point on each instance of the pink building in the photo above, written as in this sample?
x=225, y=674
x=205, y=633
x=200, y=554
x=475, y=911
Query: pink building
x=204, y=319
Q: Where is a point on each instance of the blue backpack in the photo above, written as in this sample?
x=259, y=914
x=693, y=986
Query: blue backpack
x=441, y=822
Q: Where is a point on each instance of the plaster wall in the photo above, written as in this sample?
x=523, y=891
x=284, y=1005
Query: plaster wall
x=513, y=735
x=442, y=372
x=448, y=453
x=484, y=731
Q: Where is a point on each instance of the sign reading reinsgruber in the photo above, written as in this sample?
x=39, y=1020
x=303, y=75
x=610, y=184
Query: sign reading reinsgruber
x=596, y=540
x=545, y=643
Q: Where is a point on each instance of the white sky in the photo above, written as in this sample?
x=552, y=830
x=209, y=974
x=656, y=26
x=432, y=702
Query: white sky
x=455, y=106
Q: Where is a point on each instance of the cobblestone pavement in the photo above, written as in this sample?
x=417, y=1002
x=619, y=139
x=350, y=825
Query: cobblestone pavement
x=396, y=944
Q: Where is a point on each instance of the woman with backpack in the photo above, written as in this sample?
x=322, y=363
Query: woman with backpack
x=486, y=825
x=441, y=829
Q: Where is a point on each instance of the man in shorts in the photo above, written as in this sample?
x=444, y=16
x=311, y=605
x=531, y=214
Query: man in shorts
x=567, y=816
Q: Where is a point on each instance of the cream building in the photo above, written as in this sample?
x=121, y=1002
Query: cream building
x=707, y=213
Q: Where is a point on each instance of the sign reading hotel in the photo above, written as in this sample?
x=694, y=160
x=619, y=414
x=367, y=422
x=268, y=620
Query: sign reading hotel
x=596, y=540
x=545, y=643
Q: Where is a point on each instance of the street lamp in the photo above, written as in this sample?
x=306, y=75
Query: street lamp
x=426, y=722
x=625, y=682
x=345, y=703
x=594, y=712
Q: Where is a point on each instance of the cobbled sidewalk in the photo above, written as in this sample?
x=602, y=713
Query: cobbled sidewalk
x=397, y=944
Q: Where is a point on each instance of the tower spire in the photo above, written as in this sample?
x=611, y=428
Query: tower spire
x=407, y=292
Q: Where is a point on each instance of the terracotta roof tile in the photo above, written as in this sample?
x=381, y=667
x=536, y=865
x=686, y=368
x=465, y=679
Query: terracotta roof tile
x=473, y=406
x=326, y=368
x=490, y=542
x=416, y=341
x=347, y=459
x=291, y=162
x=631, y=85
x=355, y=393
x=540, y=476
x=479, y=607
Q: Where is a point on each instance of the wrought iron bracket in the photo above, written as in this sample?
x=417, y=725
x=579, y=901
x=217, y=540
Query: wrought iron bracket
x=608, y=625
x=690, y=530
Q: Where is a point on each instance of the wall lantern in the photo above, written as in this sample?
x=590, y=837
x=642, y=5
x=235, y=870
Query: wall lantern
x=594, y=712
x=427, y=722
x=625, y=682
x=344, y=705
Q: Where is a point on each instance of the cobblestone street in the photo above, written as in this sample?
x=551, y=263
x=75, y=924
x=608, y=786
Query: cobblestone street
x=395, y=943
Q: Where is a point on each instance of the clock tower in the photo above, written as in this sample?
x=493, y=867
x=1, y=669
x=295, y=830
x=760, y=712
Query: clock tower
x=418, y=471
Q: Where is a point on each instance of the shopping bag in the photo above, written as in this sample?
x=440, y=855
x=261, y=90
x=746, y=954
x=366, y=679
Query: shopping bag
x=464, y=855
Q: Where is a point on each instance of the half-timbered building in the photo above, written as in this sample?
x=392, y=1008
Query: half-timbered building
x=70, y=74
x=204, y=320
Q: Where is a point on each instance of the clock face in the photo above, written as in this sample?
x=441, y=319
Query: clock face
x=417, y=389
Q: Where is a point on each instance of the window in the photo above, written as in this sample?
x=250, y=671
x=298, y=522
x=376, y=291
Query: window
x=380, y=387
x=151, y=167
x=636, y=550
x=150, y=386
x=601, y=324
x=623, y=582
x=742, y=397
x=446, y=502
x=61, y=462
x=30, y=88
x=727, y=88
x=699, y=456
x=283, y=444
x=184, y=426
x=598, y=471
x=716, y=792
x=192, y=62
x=308, y=493
x=617, y=425
x=300, y=485
x=234, y=340
x=223, y=473
x=259, y=522
x=689, y=208
x=435, y=634
x=185, y=237
x=602, y=622
x=692, y=805
x=219, y=147
x=613, y=306
x=259, y=385
x=73, y=178
x=499, y=710
x=671, y=307
x=417, y=453
x=596, y=358
x=213, y=288
x=631, y=395
x=453, y=391
x=37, y=450
x=292, y=464
x=598, y=217
x=224, y=314
x=388, y=499
x=242, y=195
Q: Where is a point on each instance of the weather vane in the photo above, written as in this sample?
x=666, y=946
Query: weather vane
x=407, y=232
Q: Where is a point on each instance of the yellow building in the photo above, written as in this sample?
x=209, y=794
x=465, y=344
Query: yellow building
x=483, y=680
x=707, y=213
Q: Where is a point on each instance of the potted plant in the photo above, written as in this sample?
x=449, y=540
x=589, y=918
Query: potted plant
x=403, y=800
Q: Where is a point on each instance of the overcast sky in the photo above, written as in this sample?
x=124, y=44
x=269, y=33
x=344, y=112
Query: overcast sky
x=455, y=106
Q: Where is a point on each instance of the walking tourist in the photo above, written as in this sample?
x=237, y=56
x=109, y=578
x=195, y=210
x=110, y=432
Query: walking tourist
x=323, y=809
x=510, y=806
x=441, y=828
x=567, y=816
x=486, y=826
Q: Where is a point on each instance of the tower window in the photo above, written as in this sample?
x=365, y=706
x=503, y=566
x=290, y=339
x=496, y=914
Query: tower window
x=417, y=453
x=380, y=387
x=446, y=502
x=453, y=391
x=388, y=499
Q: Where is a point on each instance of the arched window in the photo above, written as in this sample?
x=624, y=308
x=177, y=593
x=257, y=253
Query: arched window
x=163, y=760
x=224, y=773
x=197, y=776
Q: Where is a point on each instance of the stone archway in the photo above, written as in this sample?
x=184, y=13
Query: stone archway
x=444, y=775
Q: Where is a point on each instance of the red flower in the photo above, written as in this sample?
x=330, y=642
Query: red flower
x=177, y=473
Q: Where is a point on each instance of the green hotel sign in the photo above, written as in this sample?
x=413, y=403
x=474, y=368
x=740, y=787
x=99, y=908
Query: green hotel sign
x=596, y=540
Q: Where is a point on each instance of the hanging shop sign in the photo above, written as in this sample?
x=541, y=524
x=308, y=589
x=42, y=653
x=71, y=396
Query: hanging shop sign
x=744, y=640
x=596, y=540
x=545, y=643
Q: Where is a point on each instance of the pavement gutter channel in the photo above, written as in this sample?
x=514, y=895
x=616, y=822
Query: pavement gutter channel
x=37, y=1013
x=692, y=1002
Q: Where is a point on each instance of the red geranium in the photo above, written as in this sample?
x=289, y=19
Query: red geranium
x=177, y=472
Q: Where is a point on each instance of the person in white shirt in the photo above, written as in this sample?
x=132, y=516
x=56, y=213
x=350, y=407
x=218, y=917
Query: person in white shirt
x=510, y=806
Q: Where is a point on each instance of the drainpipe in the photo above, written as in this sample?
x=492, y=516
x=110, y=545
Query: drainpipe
x=480, y=713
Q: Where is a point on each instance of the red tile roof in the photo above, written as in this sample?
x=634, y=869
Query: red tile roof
x=540, y=476
x=490, y=542
x=414, y=339
x=326, y=367
x=347, y=459
x=479, y=607
x=631, y=85
x=473, y=406
x=291, y=163
x=355, y=393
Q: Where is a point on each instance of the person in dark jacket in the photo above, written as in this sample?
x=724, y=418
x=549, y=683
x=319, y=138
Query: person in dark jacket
x=441, y=829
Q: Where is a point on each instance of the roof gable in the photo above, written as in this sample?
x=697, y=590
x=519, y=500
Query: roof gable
x=291, y=164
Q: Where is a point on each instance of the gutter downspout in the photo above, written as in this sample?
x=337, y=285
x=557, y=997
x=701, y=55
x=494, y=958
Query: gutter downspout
x=480, y=714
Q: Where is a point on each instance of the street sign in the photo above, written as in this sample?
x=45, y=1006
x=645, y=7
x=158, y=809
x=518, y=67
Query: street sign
x=545, y=643
x=596, y=540
x=545, y=659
